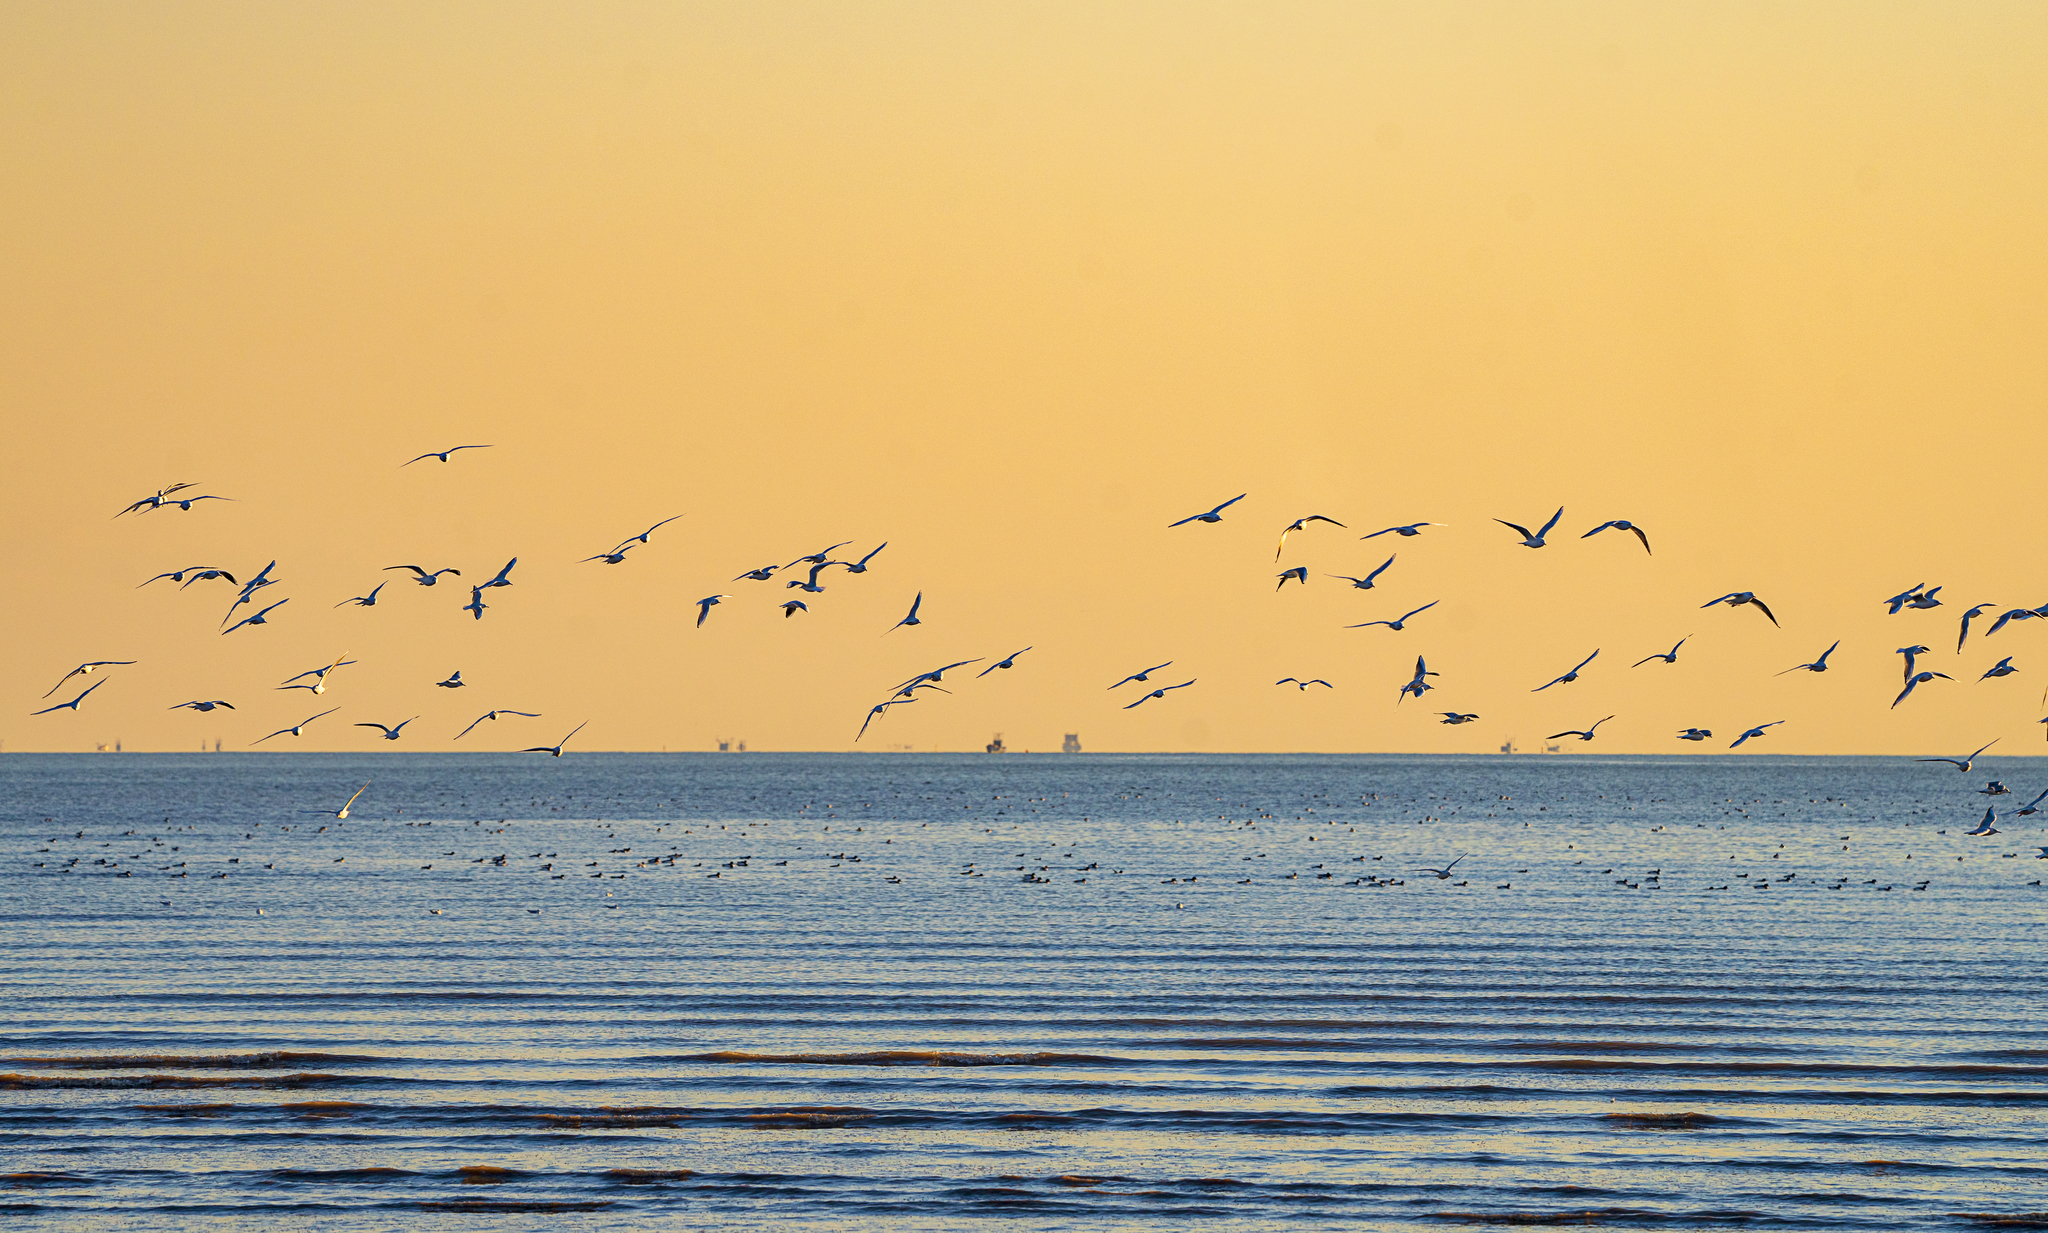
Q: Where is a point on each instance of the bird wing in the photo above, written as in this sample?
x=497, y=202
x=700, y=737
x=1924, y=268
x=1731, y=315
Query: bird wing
x=1553, y=522
x=1286, y=680
x=414, y=568
x=1587, y=660
x=1644, y=538
x=1431, y=604
x=916, y=603
x=1762, y=607
x=871, y=556
x=1515, y=527
x=1382, y=569
x=379, y=727
x=1724, y=599
x=1227, y=504
x=1143, y=700
x=421, y=458
x=1182, y=685
x=1319, y=518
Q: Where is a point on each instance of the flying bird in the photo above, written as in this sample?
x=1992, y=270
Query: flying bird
x=1669, y=657
x=819, y=557
x=1899, y=601
x=1146, y=675
x=1365, y=583
x=1303, y=685
x=1571, y=676
x=1161, y=692
x=938, y=674
x=1445, y=872
x=810, y=583
x=1412, y=529
x=1585, y=735
x=1925, y=599
x=877, y=710
x=1912, y=654
x=1735, y=599
x=911, y=619
x=390, y=734
x=1009, y=661
x=1969, y=616
x=204, y=572
x=319, y=675
x=556, y=749
x=1454, y=717
x=1756, y=731
x=2002, y=668
x=704, y=607
x=424, y=578
x=2016, y=614
x=341, y=812
x=1995, y=788
x=88, y=669
x=504, y=578
x=1214, y=515
x=861, y=566
x=1536, y=540
x=1695, y=734
x=67, y=706
x=204, y=575
x=1621, y=524
x=1818, y=665
x=363, y=601
x=1297, y=525
x=791, y=607
x=1963, y=764
x=185, y=503
x=151, y=502
x=1299, y=573
x=762, y=574
x=616, y=555
x=642, y=537
x=260, y=618
x=201, y=706
x=1419, y=685
x=297, y=729
x=476, y=604
x=492, y=715
x=1984, y=827
x=1918, y=679
x=441, y=454
x=1399, y=623
x=2031, y=807
x=454, y=681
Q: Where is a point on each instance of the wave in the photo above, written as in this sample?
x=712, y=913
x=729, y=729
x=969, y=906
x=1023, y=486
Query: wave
x=911, y=1057
x=1664, y=1121
x=223, y=1061
x=374, y=1173
x=18, y=1082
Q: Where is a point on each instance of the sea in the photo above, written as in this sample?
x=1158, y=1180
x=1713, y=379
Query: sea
x=904, y=991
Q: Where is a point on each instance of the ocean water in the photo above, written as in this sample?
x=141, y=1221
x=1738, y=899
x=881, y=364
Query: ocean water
x=1046, y=992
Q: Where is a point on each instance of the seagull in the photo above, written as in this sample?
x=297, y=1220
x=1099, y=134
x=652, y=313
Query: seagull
x=2031, y=807
x=1009, y=661
x=1299, y=573
x=204, y=571
x=2002, y=668
x=2016, y=614
x=1984, y=827
x=1214, y=515
x=454, y=681
x=1571, y=676
x=319, y=685
x=1365, y=583
x=1756, y=731
x=493, y=715
x=1413, y=528
x=152, y=502
x=877, y=710
x=504, y=576
x=258, y=619
x=705, y=605
x=1536, y=540
x=791, y=607
x=1420, y=684
x=1912, y=654
x=912, y=619
x=87, y=670
x=249, y=589
x=861, y=566
x=441, y=454
x=1918, y=678
x=1303, y=685
x=1818, y=665
x=1398, y=623
x=1445, y=872
x=363, y=601
x=1299, y=524
x=1994, y=788
x=390, y=734
x=938, y=674
x=642, y=537
x=1586, y=735
x=1146, y=675
x=1735, y=599
x=1454, y=717
x=762, y=574
x=1969, y=616
x=1621, y=524
x=1907, y=596
x=476, y=604
x=297, y=729
x=819, y=557
x=556, y=749
x=1925, y=599
x=66, y=706
x=616, y=555
x=1669, y=657
x=426, y=579
x=810, y=584
x=1161, y=692
x=341, y=812
x=1962, y=764
x=1695, y=734
x=185, y=503
x=201, y=706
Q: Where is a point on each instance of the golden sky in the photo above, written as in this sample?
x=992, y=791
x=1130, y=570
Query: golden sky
x=1012, y=287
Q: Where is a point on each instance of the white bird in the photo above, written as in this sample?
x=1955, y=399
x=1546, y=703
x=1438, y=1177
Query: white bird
x=1896, y=602
x=615, y=556
x=1214, y=515
x=1965, y=763
x=1365, y=583
x=1818, y=665
x=2002, y=668
x=1571, y=676
x=705, y=605
x=1969, y=616
x=1399, y=623
x=201, y=706
x=793, y=606
x=1299, y=573
x=912, y=619
x=861, y=566
x=1146, y=675
x=1621, y=524
x=556, y=749
x=877, y=710
x=1008, y=661
x=1419, y=685
x=249, y=589
x=762, y=574
x=1303, y=685
x=152, y=502
x=454, y=681
x=1412, y=529
x=819, y=557
x=424, y=578
x=67, y=706
x=1695, y=734
x=260, y=618
x=341, y=812
x=203, y=572
x=1984, y=827
x=390, y=734
x=2016, y=614
x=504, y=578
x=1916, y=680
x=1995, y=788
x=297, y=729
x=2032, y=807
x=938, y=674
x=1535, y=540
x=1756, y=731
x=1159, y=693
x=1669, y=657
x=1300, y=524
x=1925, y=599
x=1912, y=654
x=1735, y=599
x=184, y=503
x=319, y=675
x=810, y=584
x=1585, y=735
x=476, y=604
x=492, y=715
x=1455, y=717
x=363, y=601
x=87, y=670
x=207, y=574
x=1445, y=872
x=642, y=537
x=441, y=454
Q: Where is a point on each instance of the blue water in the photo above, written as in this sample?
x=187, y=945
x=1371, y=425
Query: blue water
x=1044, y=992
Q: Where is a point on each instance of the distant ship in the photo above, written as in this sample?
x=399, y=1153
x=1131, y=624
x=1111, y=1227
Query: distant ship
x=997, y=746
x=1072, y=744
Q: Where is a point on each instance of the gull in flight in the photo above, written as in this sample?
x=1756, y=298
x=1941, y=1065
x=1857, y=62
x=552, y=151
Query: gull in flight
x=1925, y=599
x=1965, y=763
x=1420, y=685
x=1984, y=827
x=1454, y=717
x=1735, y=599
x=1009, y=661
x=912, y=619
x=424, y=578
x=2002, y=668
x=249, y=589
x=1912, y=654
x=704, y=607
x=1969, y=616
x=1571, y=676
x=1620, y=524
x=341, y=812
x=1214, y=515
x=791, y=607
x=297, y=729
x=2031, y=807
x=1899, y=601
x=476, y=604
x=88, y=669
x=1695, y=734
x=938, y=674
x=762, y=574
x=1299, y=573
x=1445, y=872
x=202, y=572
x=185, y=503
x=642, y=537
x=363, y=601
x=1146, y=675
x=390, y=734
x=1536, y=540
x=877, y=710
x=1585, y=735
x=2016, y=614
x=556, y=749
x=616, y=555
x=821, y=556
x=810, y=584
x=1669, y=657
x=454, y=681
x=1303, y=685
x=1413, y=528
x=1399, y=623
x=1365, y=583
x=1756, y=731
x=504, y=578
x=319, y=675
x=259, y=619
x=1297, y=525
x=1917, y=679
x=1818, y=665
x=67, y=706
x=493, y=715
x=204, y=575
x=861, y=566
x=1159, y=693
x=441, y=454
x=201, y=706
x=152, y=502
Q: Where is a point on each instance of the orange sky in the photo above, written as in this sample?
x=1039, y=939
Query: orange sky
x=1012, y=287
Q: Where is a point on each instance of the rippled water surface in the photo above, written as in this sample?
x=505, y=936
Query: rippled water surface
x=1048, y=992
